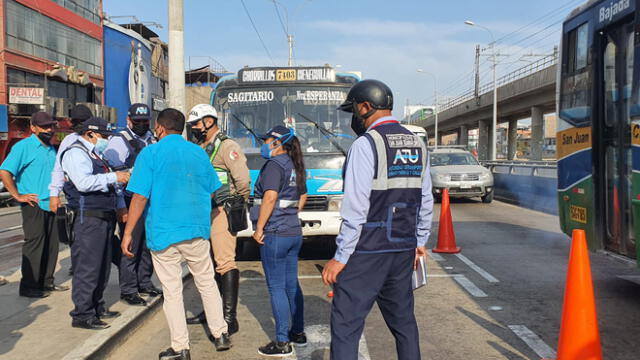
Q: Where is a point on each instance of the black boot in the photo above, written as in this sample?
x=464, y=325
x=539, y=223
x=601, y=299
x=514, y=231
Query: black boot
x=229, y=283
x=222, y=343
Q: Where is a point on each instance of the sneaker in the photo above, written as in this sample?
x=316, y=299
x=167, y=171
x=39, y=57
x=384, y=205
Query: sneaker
x=299, y=339
x=171, y=354
x=276, y=349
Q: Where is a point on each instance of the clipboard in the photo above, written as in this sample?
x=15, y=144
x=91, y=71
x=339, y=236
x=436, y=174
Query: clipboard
x=419, y=277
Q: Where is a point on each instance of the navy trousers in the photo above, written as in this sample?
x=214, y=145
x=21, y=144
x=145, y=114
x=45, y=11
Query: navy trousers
x=384, y=278
x=91, y=260
x=135, y=273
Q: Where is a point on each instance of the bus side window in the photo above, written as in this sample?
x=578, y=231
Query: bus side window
x=575, y=102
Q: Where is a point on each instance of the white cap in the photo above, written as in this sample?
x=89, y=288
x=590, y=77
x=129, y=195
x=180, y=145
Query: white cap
x=201, y=111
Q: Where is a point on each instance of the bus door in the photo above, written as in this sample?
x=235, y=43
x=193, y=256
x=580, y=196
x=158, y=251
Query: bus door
x=614, y=166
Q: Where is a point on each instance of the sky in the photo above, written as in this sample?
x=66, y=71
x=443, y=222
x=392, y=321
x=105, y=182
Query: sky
x=385, y=40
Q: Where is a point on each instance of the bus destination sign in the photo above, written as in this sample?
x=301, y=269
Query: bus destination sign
x=275, y=75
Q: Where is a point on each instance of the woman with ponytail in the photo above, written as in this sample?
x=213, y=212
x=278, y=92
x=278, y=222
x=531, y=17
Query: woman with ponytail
x=279, y=194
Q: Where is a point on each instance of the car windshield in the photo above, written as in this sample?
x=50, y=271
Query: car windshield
x=445, y=159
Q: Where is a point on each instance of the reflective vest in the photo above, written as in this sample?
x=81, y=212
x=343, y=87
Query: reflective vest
x=134, y=144
x=400, y=158
x=94, y=200
x=224, y=175
x=285, y=214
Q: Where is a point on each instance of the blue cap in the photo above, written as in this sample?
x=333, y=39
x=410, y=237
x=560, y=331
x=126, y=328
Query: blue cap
x=97, y=124
x=276, y=132
x=139, y=112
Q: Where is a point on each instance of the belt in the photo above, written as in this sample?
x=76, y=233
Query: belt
x=100, y=214
x=280, y=203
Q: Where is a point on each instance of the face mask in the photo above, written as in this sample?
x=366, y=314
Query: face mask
x=140, y=128
x=266, y=150
x=357, y=125
x=198, y=136
x=101, y=145
x=45, y=137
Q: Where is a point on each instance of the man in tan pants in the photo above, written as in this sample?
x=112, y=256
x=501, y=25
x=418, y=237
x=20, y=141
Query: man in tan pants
x=177, y=181
x=230, y=164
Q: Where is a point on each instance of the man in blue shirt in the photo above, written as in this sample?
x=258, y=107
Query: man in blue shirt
x=386, y=215
x=30, y=162
x=176, y=180
x=121, y=153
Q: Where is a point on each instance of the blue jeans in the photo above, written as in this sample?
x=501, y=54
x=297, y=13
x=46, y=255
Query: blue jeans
x=279, y=256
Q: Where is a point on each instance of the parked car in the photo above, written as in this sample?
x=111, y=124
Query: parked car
x=458, y=170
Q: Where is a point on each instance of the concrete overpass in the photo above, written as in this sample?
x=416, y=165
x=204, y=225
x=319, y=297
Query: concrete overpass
x=526, y=92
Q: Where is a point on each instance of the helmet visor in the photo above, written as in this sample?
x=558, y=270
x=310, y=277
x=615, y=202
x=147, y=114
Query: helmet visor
x=346, y=106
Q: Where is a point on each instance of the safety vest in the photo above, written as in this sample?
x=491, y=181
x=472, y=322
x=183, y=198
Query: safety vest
x=285, y=214
x=224, y=175
x=400, y=158
x=93, y=200
x=134, y=144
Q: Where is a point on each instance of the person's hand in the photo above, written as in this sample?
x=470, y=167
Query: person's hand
x=258, y=236
x=331, y=271
x=54, y=203
x=123, y=176
x=122, y=215
x=31, y=199
x=420, y=252
x=125, y=245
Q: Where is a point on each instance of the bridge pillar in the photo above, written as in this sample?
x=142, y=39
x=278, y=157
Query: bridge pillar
x=484, y=137
x=463, y=135
x=537, y=133
x=512, y=139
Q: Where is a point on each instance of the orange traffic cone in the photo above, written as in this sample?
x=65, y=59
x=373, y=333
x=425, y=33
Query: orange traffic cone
x=446, y=236
x=579, y=336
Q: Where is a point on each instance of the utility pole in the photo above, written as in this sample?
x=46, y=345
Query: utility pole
x=477, y=77
x=176, y=55
x=290, y=41
x=494, y=131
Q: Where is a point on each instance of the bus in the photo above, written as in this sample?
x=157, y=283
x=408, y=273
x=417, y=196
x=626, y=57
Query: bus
x=598, y=137
x=255, y=99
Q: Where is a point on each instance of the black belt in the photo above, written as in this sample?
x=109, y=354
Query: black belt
x=100, y=214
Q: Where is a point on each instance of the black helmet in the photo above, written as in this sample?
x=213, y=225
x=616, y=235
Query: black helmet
x=375, y=92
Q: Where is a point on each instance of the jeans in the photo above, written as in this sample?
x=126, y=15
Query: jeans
x=279, y=256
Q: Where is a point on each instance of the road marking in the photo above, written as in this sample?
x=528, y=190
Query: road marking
x=469, y=286
x=319, y=341
x=11, y=228
x=477, y=269
x=533, y=341
x=434, y=256
x=495, y=308
x=261, y=278
x=12, y=244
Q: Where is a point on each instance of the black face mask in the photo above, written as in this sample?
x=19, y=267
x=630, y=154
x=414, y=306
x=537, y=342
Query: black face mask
x=357, y=125
x=198, y=136
x=45, y=137
x=140, y=128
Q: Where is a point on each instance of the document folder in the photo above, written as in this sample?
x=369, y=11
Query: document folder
x=419, y=278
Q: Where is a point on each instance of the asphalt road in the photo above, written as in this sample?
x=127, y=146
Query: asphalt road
x=10, y=238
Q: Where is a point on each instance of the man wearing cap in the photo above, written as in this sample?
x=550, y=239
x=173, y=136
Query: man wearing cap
x=30, y=162
x=91, y=191
x=78, y=115
x=121, y=153
x=230, y=164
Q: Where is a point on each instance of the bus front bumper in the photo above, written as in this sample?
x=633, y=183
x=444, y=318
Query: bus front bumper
x=314, y=223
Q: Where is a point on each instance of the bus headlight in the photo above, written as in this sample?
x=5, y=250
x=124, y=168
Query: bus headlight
x=335, y=202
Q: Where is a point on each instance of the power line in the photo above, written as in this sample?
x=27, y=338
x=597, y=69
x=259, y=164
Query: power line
x=257, y=32
x=284, y=28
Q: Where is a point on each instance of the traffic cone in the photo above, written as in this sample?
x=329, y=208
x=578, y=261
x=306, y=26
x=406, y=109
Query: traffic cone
x=446, y=236
x=579, y=336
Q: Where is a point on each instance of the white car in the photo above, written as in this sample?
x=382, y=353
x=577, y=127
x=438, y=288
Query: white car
x=459, y=171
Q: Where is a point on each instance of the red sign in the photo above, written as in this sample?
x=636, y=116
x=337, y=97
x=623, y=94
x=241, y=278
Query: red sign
x=26, y=95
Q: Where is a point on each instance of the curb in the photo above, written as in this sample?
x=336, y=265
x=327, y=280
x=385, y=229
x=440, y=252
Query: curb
x=102, y=343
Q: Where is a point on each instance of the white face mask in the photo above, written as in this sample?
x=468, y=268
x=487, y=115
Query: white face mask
x=101, y=145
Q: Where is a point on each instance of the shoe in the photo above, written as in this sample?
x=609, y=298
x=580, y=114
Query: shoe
x=299, y=339
x=90, y=324
x=222, y=343
x=107, y=314
x=276, y=349
x=229, y=283
x=198, y=319
x=56, y=288
x=133, y=299
x=34, y=294
x=151, y=291
x=3, y=281
x=170, y=354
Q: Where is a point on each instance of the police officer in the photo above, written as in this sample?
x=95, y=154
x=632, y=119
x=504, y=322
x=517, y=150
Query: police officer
x=121, y=153
x=386, y=215
x=230, y=163
x=91, y=193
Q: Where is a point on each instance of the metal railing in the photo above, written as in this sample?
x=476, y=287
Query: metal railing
x=520, y=73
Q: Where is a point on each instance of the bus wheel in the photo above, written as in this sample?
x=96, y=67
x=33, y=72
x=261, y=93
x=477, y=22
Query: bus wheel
x=487, y=199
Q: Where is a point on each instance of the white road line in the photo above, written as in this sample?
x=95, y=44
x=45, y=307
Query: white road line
x=434, y=256
x=320, y=277
x=12, y=244
x=11, y=228
x=319, y=340
x=478, y=269
x=533, y=341
x=469, y=286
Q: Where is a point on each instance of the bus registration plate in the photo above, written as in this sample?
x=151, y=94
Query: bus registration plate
x=286, y=75
x=578, y=214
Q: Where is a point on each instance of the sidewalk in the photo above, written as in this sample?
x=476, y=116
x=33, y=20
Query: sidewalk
x=41, y=328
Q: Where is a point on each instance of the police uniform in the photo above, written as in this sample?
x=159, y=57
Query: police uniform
x=386, y=215
x=90, y=190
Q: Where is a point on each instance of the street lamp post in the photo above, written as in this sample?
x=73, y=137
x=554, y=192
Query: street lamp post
x=495, y=90
x=435, y=99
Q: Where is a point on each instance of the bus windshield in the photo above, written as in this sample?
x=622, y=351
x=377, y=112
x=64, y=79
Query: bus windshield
x=296, y=106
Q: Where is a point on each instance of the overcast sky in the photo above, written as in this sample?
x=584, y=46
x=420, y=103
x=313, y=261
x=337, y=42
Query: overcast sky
x=385, y=40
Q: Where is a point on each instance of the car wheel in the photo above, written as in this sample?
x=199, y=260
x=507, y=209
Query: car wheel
x=487, y=199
